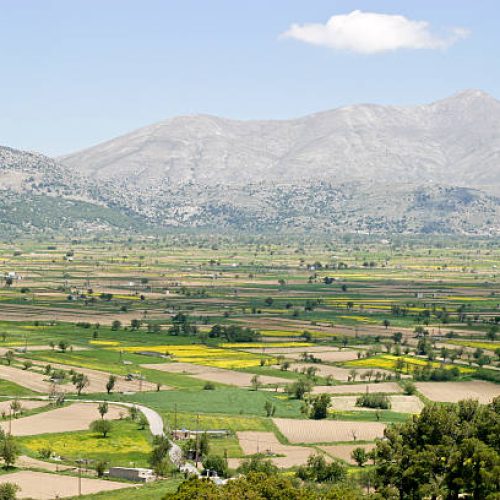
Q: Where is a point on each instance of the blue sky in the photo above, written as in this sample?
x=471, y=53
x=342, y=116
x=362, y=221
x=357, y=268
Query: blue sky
x=78, y=72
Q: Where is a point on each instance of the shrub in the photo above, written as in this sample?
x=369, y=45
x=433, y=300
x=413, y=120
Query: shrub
x=375, y=400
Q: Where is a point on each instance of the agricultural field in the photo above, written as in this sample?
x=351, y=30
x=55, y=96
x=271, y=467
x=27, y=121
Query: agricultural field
x=240, y=339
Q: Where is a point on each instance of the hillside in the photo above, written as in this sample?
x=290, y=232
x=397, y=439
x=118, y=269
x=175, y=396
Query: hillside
x=40, y=195
x=453, y=141
x=372, y=169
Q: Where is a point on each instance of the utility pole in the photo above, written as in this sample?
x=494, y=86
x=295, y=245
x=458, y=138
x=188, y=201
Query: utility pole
x=79, y=479
x=197, y=452
x=175, y=416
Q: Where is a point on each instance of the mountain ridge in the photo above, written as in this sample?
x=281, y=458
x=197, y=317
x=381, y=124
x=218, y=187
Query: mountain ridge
x=431, y=168
x=359, y=142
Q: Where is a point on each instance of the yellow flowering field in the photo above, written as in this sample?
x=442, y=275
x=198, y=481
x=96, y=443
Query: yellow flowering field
x=257, y=345
x=388, y=362
x=475, y=344
x=203, y=355
x=104, y=342
x=280, y=333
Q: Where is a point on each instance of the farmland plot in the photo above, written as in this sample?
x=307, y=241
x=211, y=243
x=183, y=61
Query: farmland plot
x=76, y=417
x=452, y=392
x=267, y=443
x=46, y=486
x=338, y=373
x=385, y=387
x=220, y=375
x=400, y=404
x=343, y=451
x=328, y=431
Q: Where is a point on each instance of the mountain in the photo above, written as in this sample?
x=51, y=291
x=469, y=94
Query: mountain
x=40, y=195
x=454, y=140
x=366, y=168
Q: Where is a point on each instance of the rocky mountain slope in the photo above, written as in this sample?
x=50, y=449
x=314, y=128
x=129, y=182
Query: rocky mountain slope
x=38, y=194
x=456, y=140
x=364, y=168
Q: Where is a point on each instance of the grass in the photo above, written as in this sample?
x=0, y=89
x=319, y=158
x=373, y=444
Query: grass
x=201, y=421
x=227, y=401
x=124, y=445
x=385, y=416
x=8, y=388
x=150, y=491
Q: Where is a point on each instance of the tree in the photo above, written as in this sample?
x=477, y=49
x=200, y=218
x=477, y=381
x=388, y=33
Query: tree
x=409, y=388
x=63, y=346
x=318, y=470
x=217, y=464
x=9, y=356
x=9, y=450
x=103, y=409
x=110, y=384
x=116, y=325
x=447, y=452
x=161, y=447
x=8, y=491
x=103, y=427
x=16, y=407
x=256, y=383
x=359, y=456
x=100, y=468
x=257, y=463
x=80, y=381
x=319, y=407
x=143, y=422
x=299, y=388
x=133, y=413
x=386, y=323
x=397, y=337
x=492, y=332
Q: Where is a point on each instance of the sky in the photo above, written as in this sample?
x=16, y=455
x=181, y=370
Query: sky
x=74, y=73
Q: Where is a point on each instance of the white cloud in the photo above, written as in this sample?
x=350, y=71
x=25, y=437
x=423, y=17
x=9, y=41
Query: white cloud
x=370, y=33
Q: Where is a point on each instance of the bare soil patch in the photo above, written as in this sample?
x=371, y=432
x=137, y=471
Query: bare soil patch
x=46, y=486
x=33, y=463
x=76, y=417
x=26, y=405
x=452, y=392
x=338, y=373
x=328, y=431
x=401, y=404
x=39, y=382
x=267, y=443
x=386, y=387
x=212, y=374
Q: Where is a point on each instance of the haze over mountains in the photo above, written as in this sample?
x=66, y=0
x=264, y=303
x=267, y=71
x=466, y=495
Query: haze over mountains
x=368, y=168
